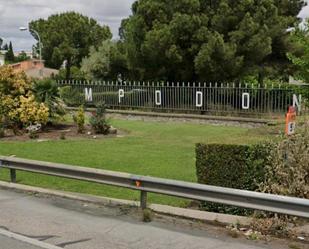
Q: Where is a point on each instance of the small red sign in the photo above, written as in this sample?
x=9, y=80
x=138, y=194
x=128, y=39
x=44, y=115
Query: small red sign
x=290, y=121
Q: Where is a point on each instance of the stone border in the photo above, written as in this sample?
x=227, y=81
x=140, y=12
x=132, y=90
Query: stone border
x=192, y=116
x=185, y=117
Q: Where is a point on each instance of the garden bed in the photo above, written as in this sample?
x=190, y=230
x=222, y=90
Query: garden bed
x=60, y=132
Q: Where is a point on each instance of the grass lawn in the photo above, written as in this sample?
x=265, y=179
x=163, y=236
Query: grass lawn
x=157, y=149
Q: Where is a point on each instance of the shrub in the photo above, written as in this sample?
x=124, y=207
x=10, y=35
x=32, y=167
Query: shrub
x=30, y=111
x=216, y=166
x=98, y=120
x=14, y=84
x=79, y=119
x=279, y=167
x=147, y=215
x=276, y=225
x=33, y=131
x=232, y=166
x=18, y=106
x=71, y=96
x=33, y=135
x=287, y=172
x=2, y=134
x=62, y=136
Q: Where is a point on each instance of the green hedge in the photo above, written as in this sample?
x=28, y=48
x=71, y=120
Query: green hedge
x=231, y=166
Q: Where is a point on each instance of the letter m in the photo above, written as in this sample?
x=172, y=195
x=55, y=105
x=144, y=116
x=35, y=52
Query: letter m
x=88, y=94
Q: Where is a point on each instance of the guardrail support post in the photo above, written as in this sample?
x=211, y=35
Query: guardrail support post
x=13, y=175
x=143, y=199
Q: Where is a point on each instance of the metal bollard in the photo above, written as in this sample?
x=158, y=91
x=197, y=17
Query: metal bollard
x=143, y=199
x=13, y=175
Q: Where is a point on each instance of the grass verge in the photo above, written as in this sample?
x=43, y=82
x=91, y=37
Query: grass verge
x=165, y=150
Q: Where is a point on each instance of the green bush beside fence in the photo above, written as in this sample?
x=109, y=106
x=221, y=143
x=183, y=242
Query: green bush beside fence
x=232, y=166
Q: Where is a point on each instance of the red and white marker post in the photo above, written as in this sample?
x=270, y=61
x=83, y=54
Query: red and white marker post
x=290, y=121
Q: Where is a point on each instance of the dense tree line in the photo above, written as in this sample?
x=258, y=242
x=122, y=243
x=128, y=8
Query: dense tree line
x=178, y=40
x=209, y=40
x=9, y=54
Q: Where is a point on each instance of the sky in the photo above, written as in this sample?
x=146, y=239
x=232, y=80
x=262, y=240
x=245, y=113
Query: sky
x=17, y=13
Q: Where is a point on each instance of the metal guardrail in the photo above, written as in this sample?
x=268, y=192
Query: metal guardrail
x=144, y=184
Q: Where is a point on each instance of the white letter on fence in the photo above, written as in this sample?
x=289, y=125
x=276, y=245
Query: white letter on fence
x=88, y=94
x=121, y=95
x=199, y=99
x=297, y=102
x=158, y=97
x=245, y=101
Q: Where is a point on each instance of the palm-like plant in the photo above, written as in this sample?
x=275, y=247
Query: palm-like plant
x=46, y=91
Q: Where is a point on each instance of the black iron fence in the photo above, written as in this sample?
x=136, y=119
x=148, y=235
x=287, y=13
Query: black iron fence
x=219, y=99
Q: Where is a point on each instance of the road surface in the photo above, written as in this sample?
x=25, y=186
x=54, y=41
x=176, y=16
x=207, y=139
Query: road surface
x=76, y=225
x=10, y=243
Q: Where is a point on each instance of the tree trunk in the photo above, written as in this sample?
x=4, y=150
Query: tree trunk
x=261, y=76
x=68, y=70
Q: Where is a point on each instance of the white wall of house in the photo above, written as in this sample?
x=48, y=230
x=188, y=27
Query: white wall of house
x=28, y=53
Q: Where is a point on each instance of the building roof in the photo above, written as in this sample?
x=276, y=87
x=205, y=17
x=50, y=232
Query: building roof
x=29, y=63
x=41, y=73
x=35, y=68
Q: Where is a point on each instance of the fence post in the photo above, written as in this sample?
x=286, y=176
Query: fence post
x=13, y=175
x=143, y=199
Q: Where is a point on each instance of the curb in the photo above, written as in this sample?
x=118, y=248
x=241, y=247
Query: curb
x=186, y=116
x=216, y=218
x=27, y=240
x=192, y=116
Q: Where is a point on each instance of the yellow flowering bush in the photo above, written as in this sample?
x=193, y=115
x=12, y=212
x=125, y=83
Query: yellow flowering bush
x=18, y=107
x=30, y=111
x=12, y=83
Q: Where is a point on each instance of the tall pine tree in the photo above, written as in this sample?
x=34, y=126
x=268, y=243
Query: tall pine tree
x=9, y=56
x=209, y=40
x=5, y=47
x=68, y=37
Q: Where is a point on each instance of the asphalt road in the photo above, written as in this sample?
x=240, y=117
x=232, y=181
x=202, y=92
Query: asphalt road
x=76, y=225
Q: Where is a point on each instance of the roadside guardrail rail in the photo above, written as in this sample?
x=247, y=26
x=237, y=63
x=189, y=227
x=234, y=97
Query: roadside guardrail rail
x=145, y=184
